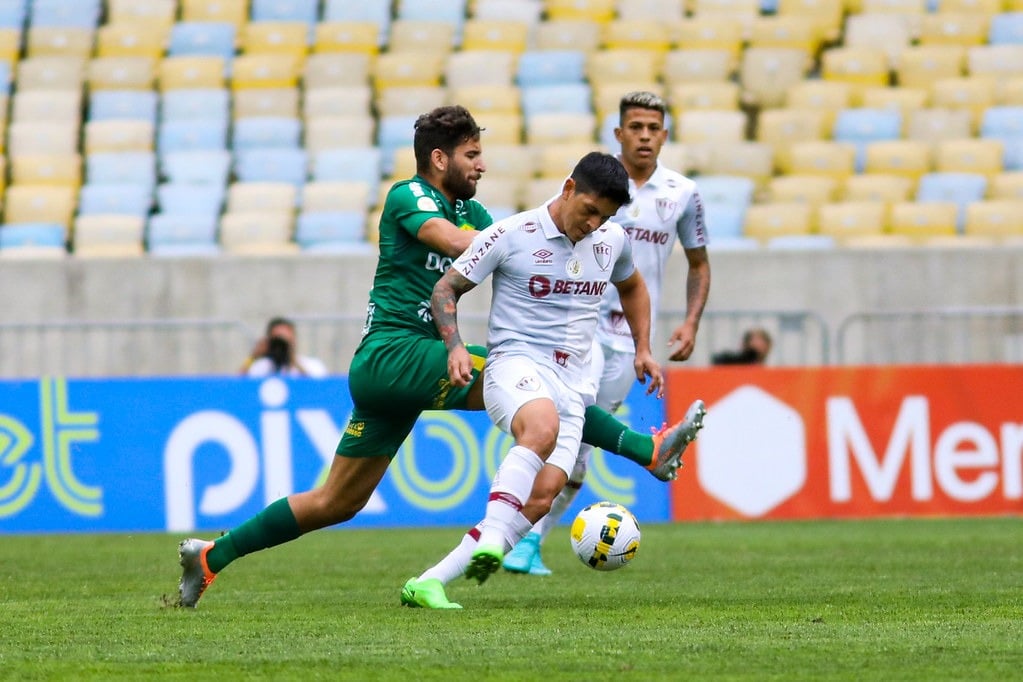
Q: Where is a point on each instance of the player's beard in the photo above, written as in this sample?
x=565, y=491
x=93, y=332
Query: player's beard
x=458, y=184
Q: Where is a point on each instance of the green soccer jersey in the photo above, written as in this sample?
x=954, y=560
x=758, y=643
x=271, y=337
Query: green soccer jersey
x=407, y=268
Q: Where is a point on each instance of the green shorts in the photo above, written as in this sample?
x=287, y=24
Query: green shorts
x=392, y=379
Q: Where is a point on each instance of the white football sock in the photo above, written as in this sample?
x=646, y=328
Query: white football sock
x=454, y=564
x=512, y=484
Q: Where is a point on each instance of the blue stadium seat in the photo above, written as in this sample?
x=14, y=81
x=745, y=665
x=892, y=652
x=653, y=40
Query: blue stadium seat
x=192, y=134
x=449, y=11
x=197, y=166
x=112, y=168
x=204, y=199
x=331, y=230
x=190, y=103
x=357, y=164
x=285, y=10
x=861, y=126
x=5, y=78
x=563, y=98
x=725, y=189
x=13, y=13
x=117, y=199
x=67, y=13
x=958, y=188
x=377, y=11
x=1005, y=123
x=182, y=235
x=105, y=105
x=550, y=67
x=260, y=132
x=724, y=221
x=393, y=133
x=271, y=165
x=16, y=235
x=1006, y=28
x=202, y=38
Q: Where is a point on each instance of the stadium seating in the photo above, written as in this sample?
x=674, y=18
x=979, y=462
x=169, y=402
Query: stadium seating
x=182, y=235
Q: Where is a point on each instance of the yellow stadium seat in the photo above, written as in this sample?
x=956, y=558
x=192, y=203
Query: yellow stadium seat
x=50, y=73
x=766, y=73
x=59, y=41
x=228, y=11
x=265, y=71
x=710, y=125
x=713, y=95
x=276, y=37
x=108, y=236
x=860, y=67
x=10, y=45
x=906, y=158
x=636, y=34
x=807, y=189
x=888, y=33
x=972, y=93
x=118, y=136
x=495, y=34
x=906, y=8
x=826, y=96
x=877, y=187
x=975, y=7
x=995, y=218
x=336, y=69
x=480, y=67
x=1006, y=185
x=751, y=160
x=539, y=190
x=33, y=137
x=134, y=39
x=741, y=12
x=834, y=159
x=516, y=161
x=40, y=204
x=501, y=128
x=567, y=34
x=903, y=99
x=847, y=220
x=412, y=35
x=786, y=30
x=335, y=195
x=121, y=73
x=1000, y=61
x=776, y=219
x=708, y=32
x=404, y=167
x=347, y=36
x=920, y=65
x=266, y=102
x=47, y=106
x=592, y=10
x=699, y=65
x=403, y=69
x=920, y=220
x=952, y=28
x=781, y=128
x=489, y=98
x=622, y=66
x=1009, y=91
x=557, y=160
x=826, y=15
x=503, y=193
x=935, y=124
x=664, y=11
x=331, y=132
x=977, y=155
x=261, y=196
x=557, y=128
x=148, y=12
x=409, y=100
x=257, y=233
x=47, y=169
x=190, y=72
x=346, y=100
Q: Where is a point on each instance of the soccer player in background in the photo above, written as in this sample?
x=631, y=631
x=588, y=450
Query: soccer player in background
x=400, y=366
x=665, y=205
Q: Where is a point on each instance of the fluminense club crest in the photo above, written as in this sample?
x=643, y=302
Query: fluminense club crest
x=602, y=253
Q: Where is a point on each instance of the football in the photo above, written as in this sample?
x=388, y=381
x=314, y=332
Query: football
x=605, y=536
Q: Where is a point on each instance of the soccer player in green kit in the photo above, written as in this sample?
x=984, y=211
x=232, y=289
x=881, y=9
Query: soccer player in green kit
x=400, y=367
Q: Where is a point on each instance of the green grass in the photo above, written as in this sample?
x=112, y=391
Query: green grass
x=935, y=599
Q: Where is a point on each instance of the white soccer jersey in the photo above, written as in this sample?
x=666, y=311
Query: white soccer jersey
x=547, y=292
x=666, y=207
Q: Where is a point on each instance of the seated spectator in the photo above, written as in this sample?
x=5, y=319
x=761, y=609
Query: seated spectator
x=276, y=353
x=756, y=345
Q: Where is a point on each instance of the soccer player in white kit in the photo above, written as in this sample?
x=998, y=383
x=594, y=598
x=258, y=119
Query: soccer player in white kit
x=551, y=267
x=665, y=206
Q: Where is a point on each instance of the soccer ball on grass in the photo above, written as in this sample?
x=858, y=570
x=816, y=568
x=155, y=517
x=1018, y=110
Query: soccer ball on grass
x=605, y=536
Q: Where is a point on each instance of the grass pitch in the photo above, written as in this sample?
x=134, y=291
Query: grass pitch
x=935, y=599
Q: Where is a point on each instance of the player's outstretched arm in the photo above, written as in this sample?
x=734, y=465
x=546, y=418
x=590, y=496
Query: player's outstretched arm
x=445, y=237
x=683, y=338
x=444, y=306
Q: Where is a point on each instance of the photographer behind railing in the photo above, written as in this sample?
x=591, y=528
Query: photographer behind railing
x=756, y=346
x=276, y=353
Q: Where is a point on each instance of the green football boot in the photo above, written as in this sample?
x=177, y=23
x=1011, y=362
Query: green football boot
x=428, y=594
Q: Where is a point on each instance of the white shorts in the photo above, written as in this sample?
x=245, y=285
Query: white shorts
x=614, y=373
x=511, y=381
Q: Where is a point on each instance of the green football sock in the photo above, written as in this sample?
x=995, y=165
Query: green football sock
x=273, y=526
x=604, y=431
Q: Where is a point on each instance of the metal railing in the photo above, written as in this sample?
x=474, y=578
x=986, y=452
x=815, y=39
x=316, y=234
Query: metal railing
x=800, y=338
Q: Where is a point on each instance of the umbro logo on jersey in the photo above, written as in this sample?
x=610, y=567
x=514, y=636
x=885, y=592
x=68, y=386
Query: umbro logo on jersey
x=543, y=257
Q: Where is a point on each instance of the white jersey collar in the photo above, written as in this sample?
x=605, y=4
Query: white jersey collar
x=550, y=230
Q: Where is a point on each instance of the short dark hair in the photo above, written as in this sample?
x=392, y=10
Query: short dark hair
x=444, y=128
x=278, y=321
x=641, y=99
x=604, y=175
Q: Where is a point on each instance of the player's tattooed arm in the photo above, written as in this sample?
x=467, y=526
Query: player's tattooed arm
x=444, y=306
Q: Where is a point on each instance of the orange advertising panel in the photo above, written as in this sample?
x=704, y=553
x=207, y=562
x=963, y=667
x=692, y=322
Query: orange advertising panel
x=851, y=442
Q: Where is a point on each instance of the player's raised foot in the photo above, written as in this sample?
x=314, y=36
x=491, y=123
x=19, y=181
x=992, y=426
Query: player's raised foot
x=525, y=557
x=428, y=594
x=196, y=575
x=671, y=442
x=485, y=561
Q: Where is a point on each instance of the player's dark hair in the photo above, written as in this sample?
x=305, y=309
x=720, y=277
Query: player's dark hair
x=277, y=321
x=444, y=128
x=641, y=99
x=603, y=175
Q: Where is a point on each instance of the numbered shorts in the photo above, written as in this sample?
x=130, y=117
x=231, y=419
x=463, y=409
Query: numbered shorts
x=392, y=380
x=511, y=381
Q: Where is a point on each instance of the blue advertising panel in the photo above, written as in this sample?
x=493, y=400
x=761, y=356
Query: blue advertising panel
x=207, y=453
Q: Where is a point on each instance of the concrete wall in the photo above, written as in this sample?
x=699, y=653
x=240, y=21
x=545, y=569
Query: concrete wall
x=831, y=284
